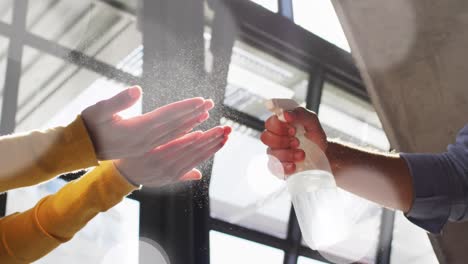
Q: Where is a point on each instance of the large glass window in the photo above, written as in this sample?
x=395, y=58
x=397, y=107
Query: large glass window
x=303, y=260
x=352, y=119
x=91, y=27
x=410, y=243
x=75, y=53
x=240, y=178
x=6, y=10
x=55, y=84
x=319, y=17
x=226, y=249
x=3, y=61
x=47, y=85
x=96, y=242
x=271, y=5
x=255, y=76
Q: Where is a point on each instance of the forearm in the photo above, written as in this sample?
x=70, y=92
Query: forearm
x=72, y=207
x=382, y=178
x=28, y=159
x=30, y=235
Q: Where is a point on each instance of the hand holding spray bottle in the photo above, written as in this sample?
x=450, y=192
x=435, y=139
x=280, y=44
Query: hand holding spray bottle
x=313, y=189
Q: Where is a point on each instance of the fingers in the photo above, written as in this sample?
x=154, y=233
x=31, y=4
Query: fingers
x=274, y=125
x=227, y=132
x=287, y=155
x=289, y=167
x=275, y=166
x=192, y=175
x=173, y=130
x=200, y=156
x=304, y=117
x=178, y=158
x=205, y=138
x=206, y=147
x=178, y=109
x=278, y=142
x=179, y=143
x=104, y=110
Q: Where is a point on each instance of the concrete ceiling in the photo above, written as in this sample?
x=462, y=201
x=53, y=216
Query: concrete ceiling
x=412, y=55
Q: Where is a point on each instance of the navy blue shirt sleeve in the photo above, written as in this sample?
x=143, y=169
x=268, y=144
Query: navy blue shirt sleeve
x=440, y=185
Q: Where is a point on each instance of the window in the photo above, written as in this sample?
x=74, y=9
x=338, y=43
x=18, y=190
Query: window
x=94, y=242
x=6, y=10
x=47, y=83
x=240, y=178
x=319, y=17
x=351, y=119
x=227, y=249
x=87, y=26
x=303, y=260
x=57, y=78
x=255, y=76
x=354, y=120
x=75, y=53
x=271, y=5
x=410, y=243
x=3, y=61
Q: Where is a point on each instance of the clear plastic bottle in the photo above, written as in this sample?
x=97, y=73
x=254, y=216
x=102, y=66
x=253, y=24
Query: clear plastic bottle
x=315, y=197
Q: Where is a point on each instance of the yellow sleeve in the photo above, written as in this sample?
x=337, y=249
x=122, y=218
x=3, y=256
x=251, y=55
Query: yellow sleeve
x=28, y=236
x=28, y=159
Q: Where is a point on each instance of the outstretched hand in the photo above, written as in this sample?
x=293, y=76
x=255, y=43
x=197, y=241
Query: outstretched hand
x=281, y=141
x=114, y=137
x=174, y=161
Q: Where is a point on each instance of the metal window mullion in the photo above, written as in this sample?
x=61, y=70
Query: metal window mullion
x=13, y=67
x=285, y=8
x=13, y=76
x=315, y=87
x=80, y=59
x=243, y=118
x=384, y=248
x=313, y=254
x=73, y=56
x=294, y=239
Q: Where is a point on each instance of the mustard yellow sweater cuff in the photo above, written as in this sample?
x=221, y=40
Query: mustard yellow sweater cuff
x=80, y=143
x=28, y=236
x=28, y=159
x=62, y=149
x=66, y=212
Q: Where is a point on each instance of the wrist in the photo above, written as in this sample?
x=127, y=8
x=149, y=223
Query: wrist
x=331, y=151
x=91, y=135
x=119, y=167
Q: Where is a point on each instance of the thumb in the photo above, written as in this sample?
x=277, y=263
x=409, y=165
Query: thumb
x=193, y=175
x=304, y=117
x=105, y=109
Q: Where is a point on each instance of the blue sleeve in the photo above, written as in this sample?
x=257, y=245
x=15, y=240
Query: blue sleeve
x=440, y=183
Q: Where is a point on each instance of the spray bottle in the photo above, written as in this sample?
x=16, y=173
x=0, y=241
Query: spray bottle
x=313, y=190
